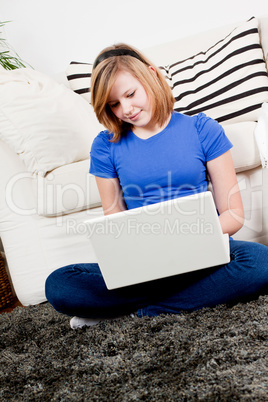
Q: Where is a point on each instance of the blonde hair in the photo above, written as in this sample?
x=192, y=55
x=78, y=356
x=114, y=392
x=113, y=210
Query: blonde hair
x=104, y=76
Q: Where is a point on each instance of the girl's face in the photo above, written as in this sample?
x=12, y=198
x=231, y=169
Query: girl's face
x=129, y=102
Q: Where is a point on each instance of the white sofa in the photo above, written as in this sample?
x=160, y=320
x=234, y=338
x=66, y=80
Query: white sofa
x=46, y=130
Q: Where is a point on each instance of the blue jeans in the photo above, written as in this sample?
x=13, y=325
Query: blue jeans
x=79, y=289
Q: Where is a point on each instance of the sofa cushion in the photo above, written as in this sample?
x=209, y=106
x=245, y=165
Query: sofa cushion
x=45, y=123
x=65, y=190
x=228, y=81
x=79, y=78
x=245, y=151
x=71, y=188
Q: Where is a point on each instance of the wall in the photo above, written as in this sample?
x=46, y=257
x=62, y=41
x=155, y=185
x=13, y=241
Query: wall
x=48, y=34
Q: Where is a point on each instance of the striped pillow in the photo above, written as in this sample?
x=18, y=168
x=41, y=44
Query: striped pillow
x=79, y=77
x=228, y=81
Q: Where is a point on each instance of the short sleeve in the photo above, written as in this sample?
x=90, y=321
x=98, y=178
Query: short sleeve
x=101, y=164
x=212, y=136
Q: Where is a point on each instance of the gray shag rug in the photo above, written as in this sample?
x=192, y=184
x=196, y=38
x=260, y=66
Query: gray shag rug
x=217, y=354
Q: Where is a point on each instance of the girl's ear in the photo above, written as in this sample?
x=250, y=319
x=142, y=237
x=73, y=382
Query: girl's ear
x=152, y=69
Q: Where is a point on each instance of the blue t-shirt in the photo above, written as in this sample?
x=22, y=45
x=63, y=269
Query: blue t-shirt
x=170, y=164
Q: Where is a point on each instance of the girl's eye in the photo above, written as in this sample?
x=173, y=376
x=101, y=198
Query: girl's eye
x=114, y=105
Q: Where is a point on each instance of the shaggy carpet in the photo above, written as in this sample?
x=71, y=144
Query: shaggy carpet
x=218, y=354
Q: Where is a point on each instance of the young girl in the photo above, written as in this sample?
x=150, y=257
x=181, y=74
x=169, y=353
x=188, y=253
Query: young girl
x=148, y=154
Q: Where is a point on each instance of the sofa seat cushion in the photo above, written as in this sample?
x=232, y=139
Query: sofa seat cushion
x=65, y=190
x=72, y=188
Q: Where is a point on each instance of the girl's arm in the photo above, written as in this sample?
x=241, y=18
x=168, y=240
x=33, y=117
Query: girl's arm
x=111, y=195
x=226, y=193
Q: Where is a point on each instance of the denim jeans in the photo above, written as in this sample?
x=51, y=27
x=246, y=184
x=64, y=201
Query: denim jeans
x=79, y=289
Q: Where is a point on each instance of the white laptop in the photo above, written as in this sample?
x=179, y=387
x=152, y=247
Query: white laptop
x=158, y=240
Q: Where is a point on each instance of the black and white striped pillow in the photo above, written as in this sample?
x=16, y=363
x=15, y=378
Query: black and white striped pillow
x=228, y=81
x=79, y=77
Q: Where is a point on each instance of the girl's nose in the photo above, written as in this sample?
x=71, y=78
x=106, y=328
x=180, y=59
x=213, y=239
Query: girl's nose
x=127, y=108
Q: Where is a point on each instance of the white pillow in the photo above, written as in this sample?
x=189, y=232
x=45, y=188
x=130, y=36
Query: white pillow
x=44, y=122
x=228, y=81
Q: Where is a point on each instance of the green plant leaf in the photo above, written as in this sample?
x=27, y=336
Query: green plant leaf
x=9, y=59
